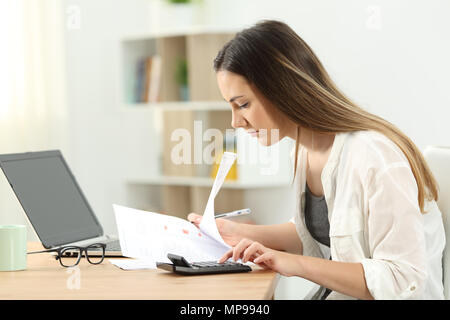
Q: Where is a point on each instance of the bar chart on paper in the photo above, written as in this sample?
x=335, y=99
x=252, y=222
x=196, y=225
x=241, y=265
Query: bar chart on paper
x=150, y=236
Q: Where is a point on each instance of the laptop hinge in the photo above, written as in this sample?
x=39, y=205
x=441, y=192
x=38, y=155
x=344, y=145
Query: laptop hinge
x=83, y=243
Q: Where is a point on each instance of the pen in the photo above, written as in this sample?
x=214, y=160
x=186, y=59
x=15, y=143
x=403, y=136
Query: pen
x=240, y=212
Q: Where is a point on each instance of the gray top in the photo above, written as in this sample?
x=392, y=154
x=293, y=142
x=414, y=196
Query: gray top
x=316, y=217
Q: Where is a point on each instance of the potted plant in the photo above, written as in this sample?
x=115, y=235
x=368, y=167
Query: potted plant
x=182, y=78
x=179, y=1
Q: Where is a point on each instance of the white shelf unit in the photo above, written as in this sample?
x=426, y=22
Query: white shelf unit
x=179, y=106
x=180, y=189
x=205, y=182
x=181, y=32
x=179, y=196
x=196, y=46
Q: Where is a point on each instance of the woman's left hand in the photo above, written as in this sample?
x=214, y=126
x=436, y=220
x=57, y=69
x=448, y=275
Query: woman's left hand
x=286, y=264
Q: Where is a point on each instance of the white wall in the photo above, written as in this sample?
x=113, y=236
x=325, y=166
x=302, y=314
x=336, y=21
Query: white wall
x=398, y=71
x=395, y=66
x=106, y=143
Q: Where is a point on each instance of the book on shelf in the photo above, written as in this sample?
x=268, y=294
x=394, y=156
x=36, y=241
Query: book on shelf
x=148, y=79
x=229, y=144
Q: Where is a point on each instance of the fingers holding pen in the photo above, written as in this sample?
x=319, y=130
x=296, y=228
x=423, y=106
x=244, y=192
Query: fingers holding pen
x=194, y=218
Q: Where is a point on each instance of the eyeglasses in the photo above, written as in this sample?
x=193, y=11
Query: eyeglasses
x=94, y=253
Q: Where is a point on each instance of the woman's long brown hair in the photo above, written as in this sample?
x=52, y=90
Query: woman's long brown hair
x=272, y=57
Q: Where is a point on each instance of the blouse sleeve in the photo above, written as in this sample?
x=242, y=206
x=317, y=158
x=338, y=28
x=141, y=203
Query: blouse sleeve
x=397, y=267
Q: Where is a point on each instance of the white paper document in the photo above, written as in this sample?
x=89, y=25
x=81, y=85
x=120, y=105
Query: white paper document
x=208, y=224
x=133, y=264
x=151, y=236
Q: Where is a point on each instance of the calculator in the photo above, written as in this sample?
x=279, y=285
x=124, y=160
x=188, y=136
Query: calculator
x=181, y=266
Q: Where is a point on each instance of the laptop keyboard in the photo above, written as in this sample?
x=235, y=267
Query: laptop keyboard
x=113, y=246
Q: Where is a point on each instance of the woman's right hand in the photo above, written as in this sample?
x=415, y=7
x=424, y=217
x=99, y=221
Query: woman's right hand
x=228, y=229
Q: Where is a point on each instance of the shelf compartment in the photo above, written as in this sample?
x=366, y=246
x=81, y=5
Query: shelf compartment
x=199, y=51
x=205, y=182
x=180, y=106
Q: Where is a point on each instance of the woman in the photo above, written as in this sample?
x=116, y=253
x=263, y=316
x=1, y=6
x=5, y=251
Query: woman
x=367, y=225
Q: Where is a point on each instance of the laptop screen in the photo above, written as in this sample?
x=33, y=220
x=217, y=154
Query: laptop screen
x=50, y=197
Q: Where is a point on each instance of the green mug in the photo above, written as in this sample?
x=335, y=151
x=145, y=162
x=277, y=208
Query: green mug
x=13, y=247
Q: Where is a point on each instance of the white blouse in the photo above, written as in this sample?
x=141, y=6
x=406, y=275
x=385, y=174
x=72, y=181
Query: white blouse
x=375, y=218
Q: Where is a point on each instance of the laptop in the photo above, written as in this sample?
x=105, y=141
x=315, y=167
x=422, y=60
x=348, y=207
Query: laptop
x=53, y=201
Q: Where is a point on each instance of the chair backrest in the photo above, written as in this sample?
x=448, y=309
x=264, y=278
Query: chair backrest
x=438, y=159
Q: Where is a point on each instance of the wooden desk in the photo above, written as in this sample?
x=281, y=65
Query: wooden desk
x=45, y=278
